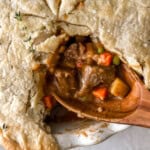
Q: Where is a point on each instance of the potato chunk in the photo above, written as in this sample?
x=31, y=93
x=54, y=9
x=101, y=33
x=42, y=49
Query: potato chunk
x=119, y=88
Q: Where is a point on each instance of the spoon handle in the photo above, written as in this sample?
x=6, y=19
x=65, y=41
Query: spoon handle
x=141, y=116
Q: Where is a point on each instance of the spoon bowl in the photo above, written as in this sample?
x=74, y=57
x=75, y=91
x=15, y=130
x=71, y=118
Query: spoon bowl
x=133, y=109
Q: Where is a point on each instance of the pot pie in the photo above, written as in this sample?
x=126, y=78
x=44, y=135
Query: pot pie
x=31, y=33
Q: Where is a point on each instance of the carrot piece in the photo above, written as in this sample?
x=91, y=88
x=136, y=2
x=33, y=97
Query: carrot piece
x=105, y=59
x=48, y=102
x=100, y=93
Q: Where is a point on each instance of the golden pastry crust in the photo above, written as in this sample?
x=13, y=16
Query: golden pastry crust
x=9, y=144
x=25, y=135
x=21, y=89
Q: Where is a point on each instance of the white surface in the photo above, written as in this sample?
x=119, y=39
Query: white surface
x=133, y=138
x=84, y=132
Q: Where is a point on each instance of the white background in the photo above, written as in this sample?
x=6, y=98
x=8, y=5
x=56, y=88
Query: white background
x=133, y=138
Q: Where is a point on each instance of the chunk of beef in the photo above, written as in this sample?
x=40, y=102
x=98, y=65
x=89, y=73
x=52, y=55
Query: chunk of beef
x=71, y=54
x=92, y=76
x=65, y=82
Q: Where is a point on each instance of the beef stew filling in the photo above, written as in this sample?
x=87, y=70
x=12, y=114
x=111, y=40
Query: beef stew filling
x=84, y=71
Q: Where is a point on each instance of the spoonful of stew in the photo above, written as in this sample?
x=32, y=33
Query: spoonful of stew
x=87, y=79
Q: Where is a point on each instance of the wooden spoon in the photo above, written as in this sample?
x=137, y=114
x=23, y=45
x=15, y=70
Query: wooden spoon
x=134, y=109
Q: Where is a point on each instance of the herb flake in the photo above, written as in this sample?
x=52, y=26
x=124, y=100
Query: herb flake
x=28, y=39
x=18, y=16
x=43, y=28
x=31, y=49
x=24, y=28
x=4, y=126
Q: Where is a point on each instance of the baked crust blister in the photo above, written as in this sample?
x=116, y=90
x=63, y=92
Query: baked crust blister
x=122, y=26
